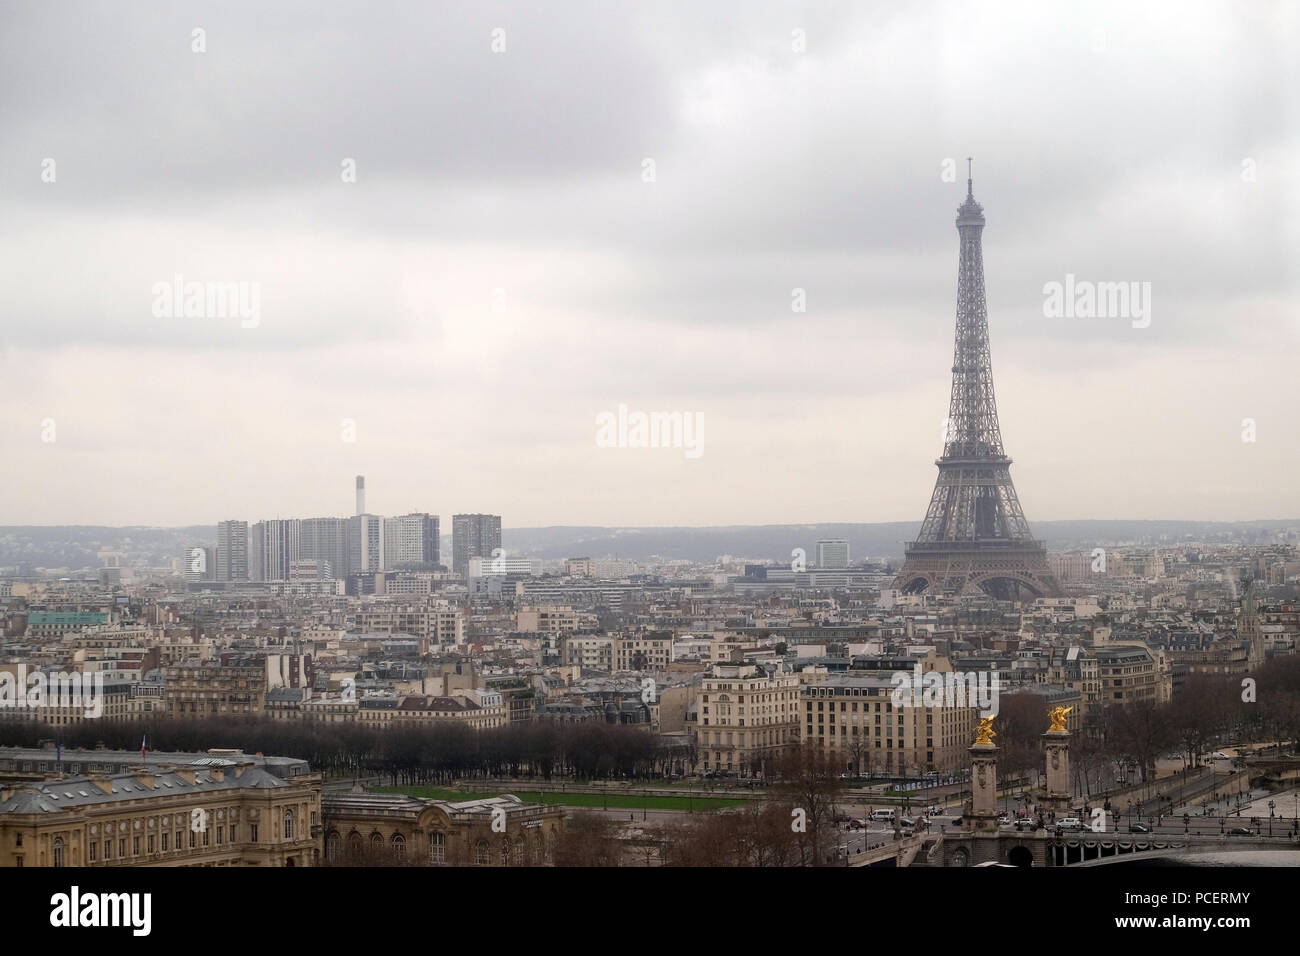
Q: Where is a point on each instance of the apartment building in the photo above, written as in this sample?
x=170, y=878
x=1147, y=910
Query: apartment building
x=210, y=689
x=47, y=624
x=590, y=652
x=1133, y=672
x=441, y=625
x=643, y=652
x=477, y=710
x=748, y=716
x=856, y=717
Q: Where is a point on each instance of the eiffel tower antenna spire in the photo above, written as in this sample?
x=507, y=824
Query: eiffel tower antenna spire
x=975, y=539
x=970, y=178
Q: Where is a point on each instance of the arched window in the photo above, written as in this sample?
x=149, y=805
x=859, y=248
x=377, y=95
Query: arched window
x=399, y=846
x=58, y=851
x=537, y=849
x=288, y=824
x=481, y=851
x=505, y=851
x=437, y=848
x=333, y=846
x=354, y=845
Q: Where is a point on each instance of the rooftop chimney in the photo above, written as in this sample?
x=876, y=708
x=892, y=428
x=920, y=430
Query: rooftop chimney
x=361, y=494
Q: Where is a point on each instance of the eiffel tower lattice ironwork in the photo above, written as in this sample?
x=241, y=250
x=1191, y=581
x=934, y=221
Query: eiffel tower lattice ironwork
x=975, y=539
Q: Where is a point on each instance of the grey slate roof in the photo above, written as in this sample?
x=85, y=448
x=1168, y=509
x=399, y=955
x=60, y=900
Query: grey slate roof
x=56, y=795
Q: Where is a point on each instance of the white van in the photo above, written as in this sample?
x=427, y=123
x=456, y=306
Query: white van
x=886, y=816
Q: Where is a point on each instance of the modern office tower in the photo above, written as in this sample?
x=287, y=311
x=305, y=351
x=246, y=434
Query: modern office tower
x=526, y=567
x=232, y=551
x=361, y=495
x=365, y=543
x=833, y=553
x=411, y=540
x=473, y=536
x=974, y=539
x=325, y=540
x=272, y=547
x=256, y=554
x=310, y=569
x=199, y=563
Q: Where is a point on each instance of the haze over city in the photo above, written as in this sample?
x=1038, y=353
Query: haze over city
x=501, y=271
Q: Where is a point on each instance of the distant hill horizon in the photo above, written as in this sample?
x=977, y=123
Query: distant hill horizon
x=77, y=546
x=883, y=540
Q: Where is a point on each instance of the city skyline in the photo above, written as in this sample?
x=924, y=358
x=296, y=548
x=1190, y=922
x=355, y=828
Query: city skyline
x=484, y=297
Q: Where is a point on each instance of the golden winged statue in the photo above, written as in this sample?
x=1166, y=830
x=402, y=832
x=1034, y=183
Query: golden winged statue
x=1058, y=719
x=986, y=733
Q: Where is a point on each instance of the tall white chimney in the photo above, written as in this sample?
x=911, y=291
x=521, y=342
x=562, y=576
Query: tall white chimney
x=361, y=494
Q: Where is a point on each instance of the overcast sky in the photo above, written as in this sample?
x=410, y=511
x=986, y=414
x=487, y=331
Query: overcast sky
x=1114, y=142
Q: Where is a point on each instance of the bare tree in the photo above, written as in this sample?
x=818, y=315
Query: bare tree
x=809, y=782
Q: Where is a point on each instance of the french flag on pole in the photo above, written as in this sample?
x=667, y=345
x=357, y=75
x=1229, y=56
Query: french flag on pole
x=143, y=740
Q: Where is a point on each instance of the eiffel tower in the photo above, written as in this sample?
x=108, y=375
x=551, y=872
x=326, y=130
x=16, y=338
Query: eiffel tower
x=975, y=539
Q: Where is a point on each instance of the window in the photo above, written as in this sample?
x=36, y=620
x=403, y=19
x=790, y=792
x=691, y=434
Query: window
x=135, y=846
x=150, y=842
x=121, y=847
x=221, y=835
x=481, y=852
x=191, y=839
x=288, y=824
x=252, y=832
x=93, y=847
x=165, y=835
x=437, y=848
x=58, y=851
x=399, y=846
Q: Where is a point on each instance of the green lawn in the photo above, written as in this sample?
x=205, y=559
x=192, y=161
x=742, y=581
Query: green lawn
x=615, y=801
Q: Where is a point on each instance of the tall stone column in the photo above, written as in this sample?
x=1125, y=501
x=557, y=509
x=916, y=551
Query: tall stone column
x=983, y=815
x=1057, y=744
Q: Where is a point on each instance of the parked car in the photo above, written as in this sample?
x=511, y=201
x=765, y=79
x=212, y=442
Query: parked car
x=1069, y=823
x=1138, y=828
x=1240, y=831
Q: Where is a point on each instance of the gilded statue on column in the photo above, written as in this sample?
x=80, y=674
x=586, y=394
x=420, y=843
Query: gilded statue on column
x=1058, y=719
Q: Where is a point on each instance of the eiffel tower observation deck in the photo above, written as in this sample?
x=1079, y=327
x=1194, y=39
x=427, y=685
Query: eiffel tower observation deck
x=975, y=539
